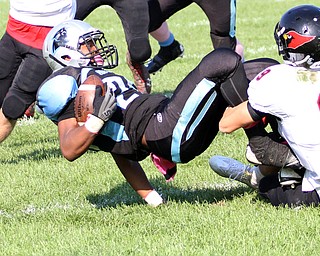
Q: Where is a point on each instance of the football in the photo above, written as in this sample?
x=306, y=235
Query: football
x=83, y=104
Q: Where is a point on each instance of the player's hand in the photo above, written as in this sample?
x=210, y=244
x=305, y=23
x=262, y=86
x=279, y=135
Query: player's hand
x=104, y=105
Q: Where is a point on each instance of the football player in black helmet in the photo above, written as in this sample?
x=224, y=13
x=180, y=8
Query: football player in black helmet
x=290, y=93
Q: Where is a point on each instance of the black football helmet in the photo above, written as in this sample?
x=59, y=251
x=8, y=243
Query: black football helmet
x=297, y=35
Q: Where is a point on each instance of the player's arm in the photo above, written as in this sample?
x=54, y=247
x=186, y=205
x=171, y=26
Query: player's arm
x=235, y=118
x=74, y=139
x=138, y=180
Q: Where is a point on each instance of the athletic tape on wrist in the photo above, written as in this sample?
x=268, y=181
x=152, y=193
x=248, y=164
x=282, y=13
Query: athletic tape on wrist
x=94, y=124
x=154, y=199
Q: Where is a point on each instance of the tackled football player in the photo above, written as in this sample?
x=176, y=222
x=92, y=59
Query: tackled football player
x=175, y=129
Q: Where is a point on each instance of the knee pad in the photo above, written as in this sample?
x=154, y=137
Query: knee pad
x=234, y=87
x=223, y=66
x=223, y=41
x=219, y=65
x=14, y=107
x=254, y=67
x=140, y=50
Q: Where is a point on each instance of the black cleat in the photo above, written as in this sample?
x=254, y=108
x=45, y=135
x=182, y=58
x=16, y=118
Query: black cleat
x=164, y=56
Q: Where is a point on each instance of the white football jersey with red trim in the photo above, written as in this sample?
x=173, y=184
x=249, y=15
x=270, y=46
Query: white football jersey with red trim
x=292, y=94
x=42, y=12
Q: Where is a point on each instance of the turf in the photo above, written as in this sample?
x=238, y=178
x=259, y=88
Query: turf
x=49, y=206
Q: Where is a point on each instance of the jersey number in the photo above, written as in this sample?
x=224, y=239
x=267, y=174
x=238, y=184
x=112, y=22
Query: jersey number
x=263, y=74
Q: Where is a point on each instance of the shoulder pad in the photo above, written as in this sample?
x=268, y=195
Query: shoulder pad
x=55, y=93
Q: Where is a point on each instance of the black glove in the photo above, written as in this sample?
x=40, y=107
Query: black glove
x=104, y=105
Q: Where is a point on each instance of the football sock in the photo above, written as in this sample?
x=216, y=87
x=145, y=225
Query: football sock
x=168, y=42
x=256, y=176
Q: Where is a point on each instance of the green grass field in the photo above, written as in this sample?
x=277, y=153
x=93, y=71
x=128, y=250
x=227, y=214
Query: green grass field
x=49, y=206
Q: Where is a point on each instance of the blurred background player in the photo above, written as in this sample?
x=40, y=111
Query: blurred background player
x=143, y=16
x=134, y=16
x=222, y=19
x=22, y=67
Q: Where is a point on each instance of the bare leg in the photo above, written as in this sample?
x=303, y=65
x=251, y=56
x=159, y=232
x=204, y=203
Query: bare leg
x=240, y=49
x=162, y=33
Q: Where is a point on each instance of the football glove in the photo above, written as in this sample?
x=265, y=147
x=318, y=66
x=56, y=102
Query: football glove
x=104, y=105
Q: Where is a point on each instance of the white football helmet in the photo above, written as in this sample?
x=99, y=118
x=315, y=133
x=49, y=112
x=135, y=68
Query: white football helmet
x=62, y=47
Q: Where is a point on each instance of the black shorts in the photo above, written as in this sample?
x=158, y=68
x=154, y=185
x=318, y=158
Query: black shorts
x=22, y=70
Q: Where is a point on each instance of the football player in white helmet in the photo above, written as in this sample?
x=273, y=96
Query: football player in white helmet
x=173, y=130
x=289, y=92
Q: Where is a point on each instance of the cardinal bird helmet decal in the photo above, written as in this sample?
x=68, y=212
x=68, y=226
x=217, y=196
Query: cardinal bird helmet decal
x=297, y=35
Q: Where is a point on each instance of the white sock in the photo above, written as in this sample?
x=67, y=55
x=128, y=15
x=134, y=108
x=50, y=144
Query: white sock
x=256, y=176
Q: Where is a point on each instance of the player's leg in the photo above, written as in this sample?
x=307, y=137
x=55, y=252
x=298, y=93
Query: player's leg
x=9, y=64
x=85, y=7
x=186, y=126
x=271, y=189
x=134, y=16
x=170, y=48
x=230, y=168
x=32, y=72
x=220, y=65
x=252, y=175
x=222, y=18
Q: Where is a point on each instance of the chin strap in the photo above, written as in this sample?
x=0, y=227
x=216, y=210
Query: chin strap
x=305, y=62
x=298, y=63
x=315, y=66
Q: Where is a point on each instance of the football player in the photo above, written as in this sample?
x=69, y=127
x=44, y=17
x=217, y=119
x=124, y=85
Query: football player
x=221, y=15
x=134, y=16
x=22, y=67
x=289, y=92
x=141, y=16
x=175, y=129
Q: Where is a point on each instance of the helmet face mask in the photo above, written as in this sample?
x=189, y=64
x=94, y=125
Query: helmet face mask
x=297, y=35
x=99, y=52
x=75, y=43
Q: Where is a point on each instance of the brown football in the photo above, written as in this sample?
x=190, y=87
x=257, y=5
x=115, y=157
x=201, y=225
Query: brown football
x=83, y=104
